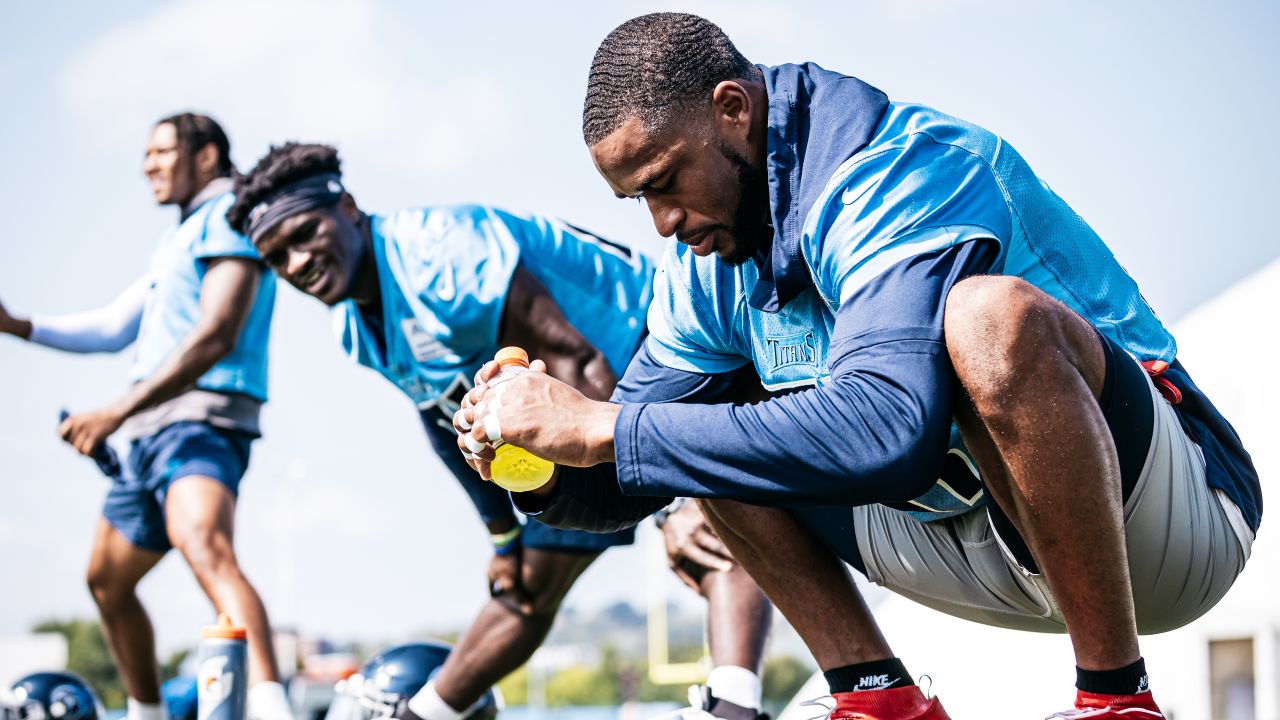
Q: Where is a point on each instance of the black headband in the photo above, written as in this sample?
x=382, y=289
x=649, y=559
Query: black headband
x=302, y=195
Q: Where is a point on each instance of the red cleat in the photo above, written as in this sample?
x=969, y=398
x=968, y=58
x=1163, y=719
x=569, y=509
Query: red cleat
x=1112, y=707
x=904, y=703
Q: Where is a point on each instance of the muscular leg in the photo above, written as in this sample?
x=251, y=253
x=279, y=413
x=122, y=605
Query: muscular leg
x=738, y=618
x=1033, y=370
x=199, y=517
x=115, y=567
x=502, y=638
x=804, y=579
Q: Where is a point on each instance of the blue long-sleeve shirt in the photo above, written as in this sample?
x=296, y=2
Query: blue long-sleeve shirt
x=877, y=431
x=878, y=209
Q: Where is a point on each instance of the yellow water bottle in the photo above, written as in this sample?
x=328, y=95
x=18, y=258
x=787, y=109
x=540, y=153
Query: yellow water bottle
x=513, y=468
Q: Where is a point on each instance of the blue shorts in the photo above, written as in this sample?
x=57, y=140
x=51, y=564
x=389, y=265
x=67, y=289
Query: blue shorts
x=135, y=502
x=493, y=502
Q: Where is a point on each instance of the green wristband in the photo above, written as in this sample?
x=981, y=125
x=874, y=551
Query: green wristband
x=501, y=540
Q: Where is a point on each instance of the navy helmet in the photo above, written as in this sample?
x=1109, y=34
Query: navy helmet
x=391, y=677
x=55, y=696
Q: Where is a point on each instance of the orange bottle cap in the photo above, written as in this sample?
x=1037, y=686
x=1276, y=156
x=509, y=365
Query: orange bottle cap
x=224, y=629
x=512, y=356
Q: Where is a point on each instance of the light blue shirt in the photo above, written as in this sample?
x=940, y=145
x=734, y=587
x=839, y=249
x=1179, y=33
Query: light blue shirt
x=923, y=183
x=444, y=274
x=172, y=309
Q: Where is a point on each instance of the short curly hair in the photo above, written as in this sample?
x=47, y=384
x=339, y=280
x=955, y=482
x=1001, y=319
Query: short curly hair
x=282, y=165
x=657, y=67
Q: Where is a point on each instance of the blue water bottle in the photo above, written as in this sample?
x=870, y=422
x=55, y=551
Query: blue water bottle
x=222, y=672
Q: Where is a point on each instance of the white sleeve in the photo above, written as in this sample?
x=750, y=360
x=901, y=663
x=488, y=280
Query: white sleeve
x=106, y=329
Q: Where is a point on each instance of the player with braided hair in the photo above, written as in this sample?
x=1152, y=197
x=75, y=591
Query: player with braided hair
x=199, y=321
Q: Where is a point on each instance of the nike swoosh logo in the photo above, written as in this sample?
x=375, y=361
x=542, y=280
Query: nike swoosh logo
x=853, y=194
x=446, y=290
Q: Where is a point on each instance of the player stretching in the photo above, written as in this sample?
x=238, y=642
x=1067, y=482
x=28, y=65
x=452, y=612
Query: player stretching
x=425, y=297
x=199, y=320
x=952, y=319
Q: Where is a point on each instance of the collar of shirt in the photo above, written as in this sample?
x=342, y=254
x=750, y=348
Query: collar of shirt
x=817, y=120
x=216, y=188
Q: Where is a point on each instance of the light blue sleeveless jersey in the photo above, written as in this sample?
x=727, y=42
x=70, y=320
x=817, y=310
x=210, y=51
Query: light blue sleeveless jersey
x=444, y=273
x=173, y=303
x=924, y=182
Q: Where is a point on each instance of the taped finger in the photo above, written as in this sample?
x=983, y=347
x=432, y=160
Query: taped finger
x=474, y=445
x=492, y=428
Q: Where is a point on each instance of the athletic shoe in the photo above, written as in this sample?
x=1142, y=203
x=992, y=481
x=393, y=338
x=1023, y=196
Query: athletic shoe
x=902, y=703
x=1112, y=707
x=705, y=706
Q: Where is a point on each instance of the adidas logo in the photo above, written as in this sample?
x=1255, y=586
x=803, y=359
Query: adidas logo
x=1142, y=684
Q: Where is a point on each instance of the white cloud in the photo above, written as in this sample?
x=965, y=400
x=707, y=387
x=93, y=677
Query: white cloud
x=330, y=71
x=936, y=9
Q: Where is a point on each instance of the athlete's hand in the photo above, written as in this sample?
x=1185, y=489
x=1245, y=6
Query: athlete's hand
x=87, y=431
x=536, y=412
x=11, y=325
x=505, y=583
x=477, y=456
x=693, y=548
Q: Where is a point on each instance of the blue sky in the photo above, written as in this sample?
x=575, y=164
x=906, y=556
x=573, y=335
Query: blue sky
x=1152, y=119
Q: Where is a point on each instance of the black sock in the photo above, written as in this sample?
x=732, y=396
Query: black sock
x=874, y=675
x=1128, y=680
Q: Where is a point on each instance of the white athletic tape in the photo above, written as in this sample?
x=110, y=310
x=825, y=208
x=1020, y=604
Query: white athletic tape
x=460, y=420
x=491, y=427
x=473, y=444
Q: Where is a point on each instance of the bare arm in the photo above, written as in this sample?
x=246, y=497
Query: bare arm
x=226, y=297
x=532, y=320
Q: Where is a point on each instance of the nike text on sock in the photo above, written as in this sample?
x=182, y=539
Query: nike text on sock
x=873, y=675
x=1128, y=680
